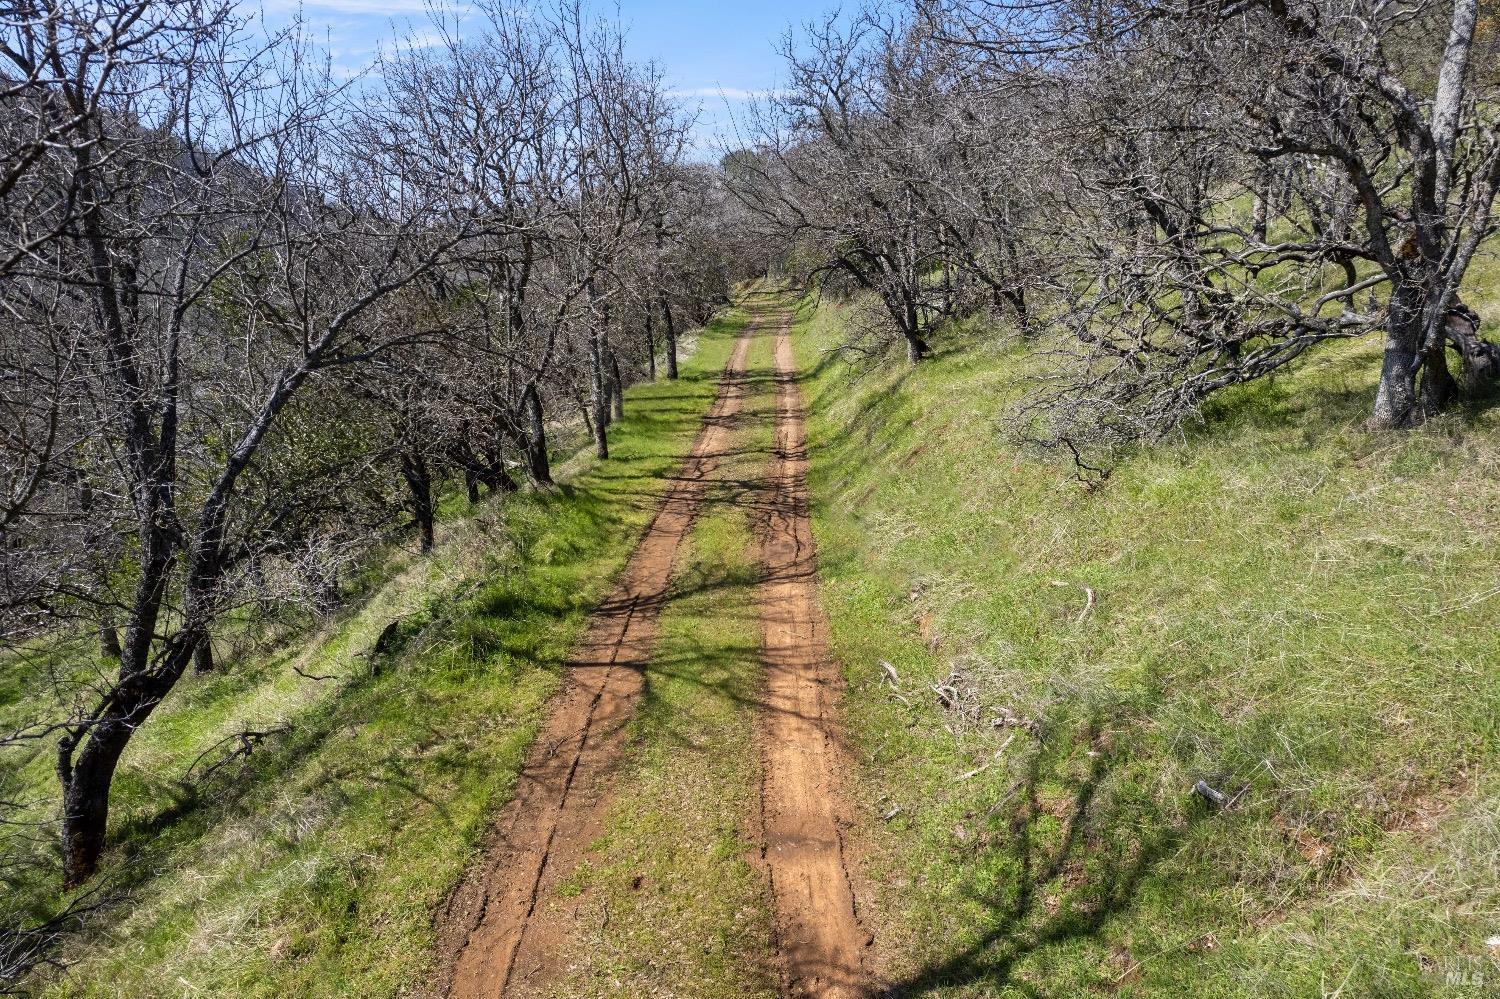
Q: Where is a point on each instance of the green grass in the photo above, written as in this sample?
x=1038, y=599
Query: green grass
x=312, y=868
x=673, y=904
x=1291, y=608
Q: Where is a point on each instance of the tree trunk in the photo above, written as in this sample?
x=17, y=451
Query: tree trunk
x=599, y=378
x=650, y=344
x=203, y=656
x=1017, y=299
x=1438, y=386
x=419, y=482
x=586, y=407
x=495, y=476
x=947, y=283
x=669, y=336
x=1261, y=212
x=916, y=346
x=471, y=485
x=600, y=404
x=616, y=388
x=86, y=802
x=109, y=639
x=1480, y=360
x=1396, y=404
x=537, y=464
x=87, y=773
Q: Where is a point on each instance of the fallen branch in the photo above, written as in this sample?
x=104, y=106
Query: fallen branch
x=1088, y=603
x=947, y=695
x=1006, y=718
x=247, y=739
x=1216, y=798
x=987, y=763
x=1087, y=606
x=893, y=678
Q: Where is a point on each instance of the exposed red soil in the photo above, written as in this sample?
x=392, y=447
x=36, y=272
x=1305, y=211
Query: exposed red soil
x=503, y=929
x=818, y=936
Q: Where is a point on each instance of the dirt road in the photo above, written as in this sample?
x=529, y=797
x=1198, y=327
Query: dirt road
x=504, y=927
x=818, y=937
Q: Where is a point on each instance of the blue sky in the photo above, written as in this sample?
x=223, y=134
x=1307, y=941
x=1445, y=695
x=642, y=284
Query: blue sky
x=704, y=48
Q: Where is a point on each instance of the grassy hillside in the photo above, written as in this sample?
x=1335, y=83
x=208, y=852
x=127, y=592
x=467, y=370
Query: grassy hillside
x=312, y=867
x=1279, y=603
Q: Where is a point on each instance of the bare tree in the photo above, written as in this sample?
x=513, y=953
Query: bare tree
x=1248, y=181
x=888, y=159
x=622, y=135
x=226, y=203
x=200, y=225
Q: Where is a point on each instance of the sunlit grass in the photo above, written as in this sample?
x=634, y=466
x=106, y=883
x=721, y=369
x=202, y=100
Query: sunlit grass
x=1287, y=606
x=312, y=868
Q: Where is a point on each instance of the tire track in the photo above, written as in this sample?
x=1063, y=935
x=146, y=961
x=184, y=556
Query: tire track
x=503, y=930
x=819, y=940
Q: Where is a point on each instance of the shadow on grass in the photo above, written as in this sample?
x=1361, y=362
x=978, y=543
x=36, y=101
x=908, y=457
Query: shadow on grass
x=504, y=628
x=1071, y=842
x=1062, y=856
x=1326, y=394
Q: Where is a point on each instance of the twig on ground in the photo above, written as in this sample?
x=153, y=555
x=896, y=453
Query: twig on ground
x=987, y=763
x=1088, y=606
x=1088, y=602
x=893, y=678
x=1215, y=798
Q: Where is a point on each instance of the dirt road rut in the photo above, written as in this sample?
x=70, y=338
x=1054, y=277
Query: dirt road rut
x=819, y=940
x=504, y=928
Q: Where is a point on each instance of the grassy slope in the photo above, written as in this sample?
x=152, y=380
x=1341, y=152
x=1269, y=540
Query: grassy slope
x=314, y=869
x=1298, y=611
